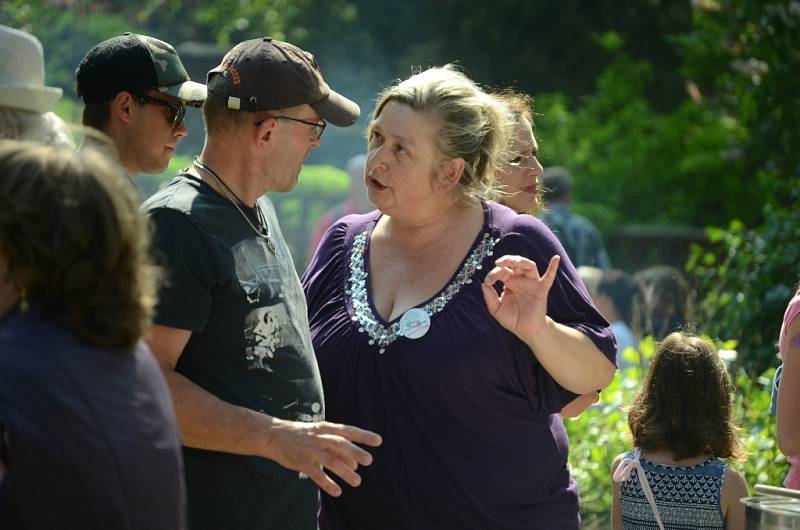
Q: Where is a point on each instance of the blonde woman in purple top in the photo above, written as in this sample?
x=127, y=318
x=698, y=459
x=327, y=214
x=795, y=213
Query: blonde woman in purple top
x=452, y=326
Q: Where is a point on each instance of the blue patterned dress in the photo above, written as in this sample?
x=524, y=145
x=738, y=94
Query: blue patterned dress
x=687, y=497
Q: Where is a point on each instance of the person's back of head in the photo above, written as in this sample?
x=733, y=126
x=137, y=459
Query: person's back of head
x=591, y=278
x=666, y=299
x=556, y=184
x=74, y=242
x=24, y=126
x=472, y=125
x=685, y=404
x=355, y=168
x=620, y=289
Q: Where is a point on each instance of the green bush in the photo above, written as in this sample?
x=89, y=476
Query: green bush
x=319, y=188
x=601, y=433
x=748, y=276
x=635, y=165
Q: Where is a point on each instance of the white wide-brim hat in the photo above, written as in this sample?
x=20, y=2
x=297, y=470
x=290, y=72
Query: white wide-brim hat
x=22, y=73
x=29, y=97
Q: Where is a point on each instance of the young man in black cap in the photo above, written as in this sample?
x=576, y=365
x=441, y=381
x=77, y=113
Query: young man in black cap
x=136, y=89
x=231, y=330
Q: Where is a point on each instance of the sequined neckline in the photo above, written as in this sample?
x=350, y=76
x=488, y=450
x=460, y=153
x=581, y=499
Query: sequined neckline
x=369, y=323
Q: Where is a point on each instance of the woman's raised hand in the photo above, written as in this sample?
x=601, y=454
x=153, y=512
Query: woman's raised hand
x=521, y=306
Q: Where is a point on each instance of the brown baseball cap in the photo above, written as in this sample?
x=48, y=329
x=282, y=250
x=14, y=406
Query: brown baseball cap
x=268, y=74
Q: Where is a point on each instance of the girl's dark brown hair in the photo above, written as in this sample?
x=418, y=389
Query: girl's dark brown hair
x=686, y=403
x=75, y=242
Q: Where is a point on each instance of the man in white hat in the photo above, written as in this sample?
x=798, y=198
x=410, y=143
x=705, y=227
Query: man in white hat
x=25, y=101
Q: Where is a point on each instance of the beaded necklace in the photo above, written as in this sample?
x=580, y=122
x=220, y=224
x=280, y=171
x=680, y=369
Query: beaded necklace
x=382, y=335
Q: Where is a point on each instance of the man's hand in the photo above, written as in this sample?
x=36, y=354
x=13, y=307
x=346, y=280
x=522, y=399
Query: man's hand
x=310, y=448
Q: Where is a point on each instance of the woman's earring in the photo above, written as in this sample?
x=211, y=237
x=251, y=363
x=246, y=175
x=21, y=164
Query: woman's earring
x=23, y=300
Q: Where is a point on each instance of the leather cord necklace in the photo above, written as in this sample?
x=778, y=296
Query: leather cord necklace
x=263, y=229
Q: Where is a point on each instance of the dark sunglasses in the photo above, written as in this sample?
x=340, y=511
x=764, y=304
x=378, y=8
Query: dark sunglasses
x=176, y=110
x=319, y=126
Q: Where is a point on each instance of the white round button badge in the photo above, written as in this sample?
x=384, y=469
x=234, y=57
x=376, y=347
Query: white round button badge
x=414, y=323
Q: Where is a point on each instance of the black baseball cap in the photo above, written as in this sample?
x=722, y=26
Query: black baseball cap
x=133, y=63
x=267, y=74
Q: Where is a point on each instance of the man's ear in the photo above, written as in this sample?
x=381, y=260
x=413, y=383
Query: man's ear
x=451, y=173
x=122, y=106
x=265, y=132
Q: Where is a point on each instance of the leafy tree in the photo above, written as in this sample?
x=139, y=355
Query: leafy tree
x=748, y=276
x=636, y=165
x=742, y=57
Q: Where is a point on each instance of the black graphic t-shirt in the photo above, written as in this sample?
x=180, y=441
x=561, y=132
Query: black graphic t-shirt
x=250, y=346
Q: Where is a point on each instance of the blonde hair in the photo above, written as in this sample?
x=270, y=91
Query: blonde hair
x=472, y=124
x=22, y=125
x=519, y=103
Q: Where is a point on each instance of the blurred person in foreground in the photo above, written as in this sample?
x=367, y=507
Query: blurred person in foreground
x=453, y=326
x=88, y=437
x=356, y=202
x=580, y=237
x=135, y=90
x=231, y=328
x=25, y=101
x=788, y=420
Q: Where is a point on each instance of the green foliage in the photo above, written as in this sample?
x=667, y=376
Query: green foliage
x=633, y=164
x=66, y=34
x=601, y=433
x=319, y=188
x=748, y=277
x=742, y=55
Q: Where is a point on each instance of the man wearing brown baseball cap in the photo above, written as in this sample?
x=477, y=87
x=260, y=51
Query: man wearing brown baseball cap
x=231, y=329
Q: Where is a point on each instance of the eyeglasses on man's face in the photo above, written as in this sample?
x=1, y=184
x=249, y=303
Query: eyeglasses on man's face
x=176, y=110
x=319, y=126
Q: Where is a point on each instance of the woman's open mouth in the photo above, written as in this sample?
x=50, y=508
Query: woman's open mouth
x=374, y=184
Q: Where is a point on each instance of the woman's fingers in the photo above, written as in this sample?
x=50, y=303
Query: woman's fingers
x=498, y=274
x=521, y=266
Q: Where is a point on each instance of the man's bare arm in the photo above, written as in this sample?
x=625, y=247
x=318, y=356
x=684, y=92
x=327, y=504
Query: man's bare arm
x=207, y=422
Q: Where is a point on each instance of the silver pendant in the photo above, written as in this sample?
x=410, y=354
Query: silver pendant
x=414, y=323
